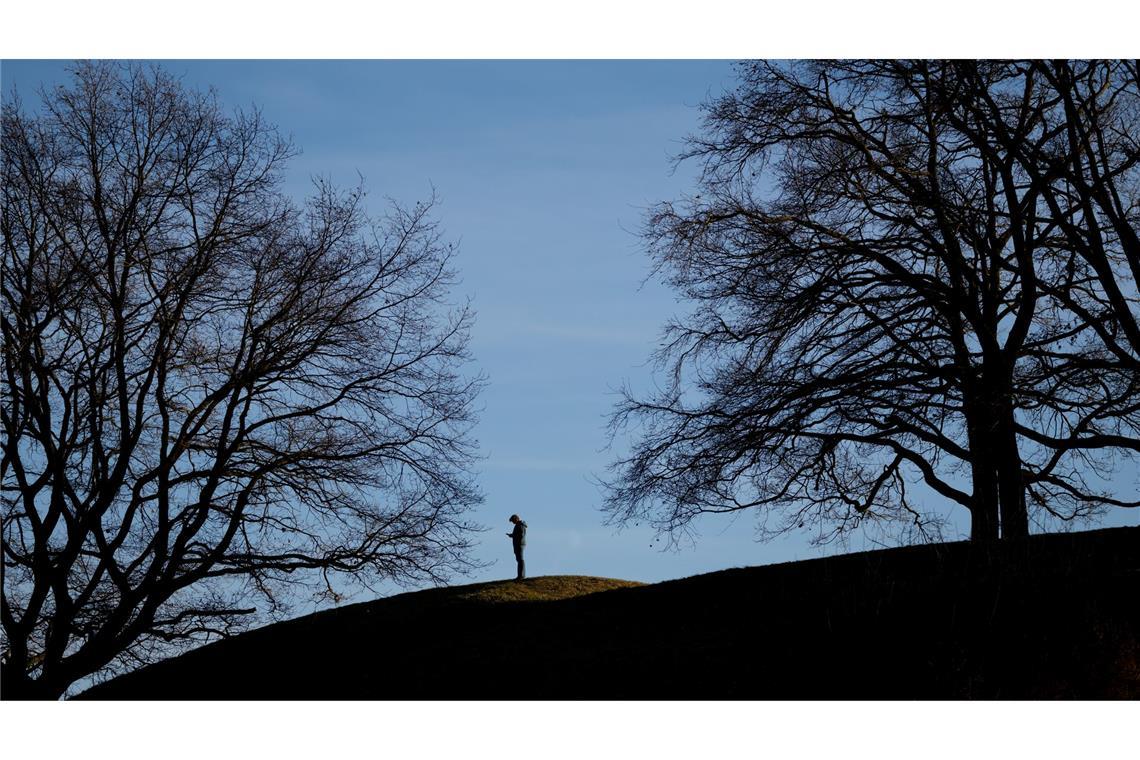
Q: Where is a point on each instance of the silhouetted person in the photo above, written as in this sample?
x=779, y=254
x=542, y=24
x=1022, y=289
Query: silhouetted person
x=518, y=538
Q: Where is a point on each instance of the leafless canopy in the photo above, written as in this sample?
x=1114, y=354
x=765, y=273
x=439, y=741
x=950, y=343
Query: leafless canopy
x=901, y=271
x=212, y=395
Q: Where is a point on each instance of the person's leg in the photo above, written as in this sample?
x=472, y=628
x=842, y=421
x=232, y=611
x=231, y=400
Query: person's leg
x=522, y=565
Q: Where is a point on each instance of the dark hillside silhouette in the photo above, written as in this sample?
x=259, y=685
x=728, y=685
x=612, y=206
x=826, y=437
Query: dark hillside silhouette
x=1048, y=617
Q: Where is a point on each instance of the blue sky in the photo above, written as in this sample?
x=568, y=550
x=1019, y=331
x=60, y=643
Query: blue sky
x=544, y=170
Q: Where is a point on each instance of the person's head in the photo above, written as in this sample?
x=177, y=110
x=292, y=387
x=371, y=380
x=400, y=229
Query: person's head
x=515, y=519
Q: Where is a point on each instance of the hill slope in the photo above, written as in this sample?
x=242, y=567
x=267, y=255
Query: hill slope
x=1057, y=616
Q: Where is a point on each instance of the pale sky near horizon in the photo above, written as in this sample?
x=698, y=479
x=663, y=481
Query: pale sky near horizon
x=544, y=170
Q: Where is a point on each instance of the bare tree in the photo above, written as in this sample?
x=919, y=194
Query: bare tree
x=893, y=282
x=212, y=394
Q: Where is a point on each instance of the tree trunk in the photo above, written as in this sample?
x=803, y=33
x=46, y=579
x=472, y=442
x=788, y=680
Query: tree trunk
x=1007, y=461
x=984, y=506
x=984, y=498
x=995, y=466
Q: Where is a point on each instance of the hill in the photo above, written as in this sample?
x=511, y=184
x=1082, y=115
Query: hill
x=1057, y=616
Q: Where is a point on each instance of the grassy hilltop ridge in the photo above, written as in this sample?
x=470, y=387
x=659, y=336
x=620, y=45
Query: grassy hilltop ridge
x=1057, y=616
